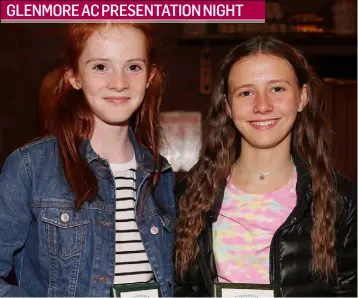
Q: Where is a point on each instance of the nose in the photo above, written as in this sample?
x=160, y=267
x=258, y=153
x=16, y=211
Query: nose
x=118, y=81
x=262, y=104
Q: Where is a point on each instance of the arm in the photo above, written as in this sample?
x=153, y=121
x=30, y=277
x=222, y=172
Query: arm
x=190, y=286
x=347, y=246
x=15, y=217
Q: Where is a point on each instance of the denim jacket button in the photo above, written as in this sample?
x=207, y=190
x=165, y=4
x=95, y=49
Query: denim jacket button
x=65, y=217
x=154, y=230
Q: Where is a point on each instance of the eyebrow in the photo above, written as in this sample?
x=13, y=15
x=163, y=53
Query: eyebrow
x=279, y=81
x=268, y=82
x=107, y=60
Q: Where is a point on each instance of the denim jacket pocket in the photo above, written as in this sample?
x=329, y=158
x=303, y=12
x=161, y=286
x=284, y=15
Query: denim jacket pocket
x=65, y=230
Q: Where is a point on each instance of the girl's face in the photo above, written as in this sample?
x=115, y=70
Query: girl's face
x=113, y=73
x=264, y=99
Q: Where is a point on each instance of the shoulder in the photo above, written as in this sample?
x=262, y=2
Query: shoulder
x=35, y=146
x=41, y=144
x=347, y=200
x=22, y=161
x=347, y=189
x=34, y=154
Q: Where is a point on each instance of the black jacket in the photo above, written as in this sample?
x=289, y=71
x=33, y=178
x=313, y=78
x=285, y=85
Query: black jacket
x=290, y=250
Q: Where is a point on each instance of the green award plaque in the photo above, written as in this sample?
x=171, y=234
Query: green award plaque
x=239, y=290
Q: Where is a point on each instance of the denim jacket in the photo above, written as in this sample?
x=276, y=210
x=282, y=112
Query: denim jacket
x=57, y=251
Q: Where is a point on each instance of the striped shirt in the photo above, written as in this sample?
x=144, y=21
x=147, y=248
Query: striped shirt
x=132, y=264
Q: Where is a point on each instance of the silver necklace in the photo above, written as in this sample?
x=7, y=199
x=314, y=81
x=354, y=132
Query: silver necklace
x=264, y=174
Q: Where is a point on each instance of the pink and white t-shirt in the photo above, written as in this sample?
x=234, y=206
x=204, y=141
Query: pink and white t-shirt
x=243, y=232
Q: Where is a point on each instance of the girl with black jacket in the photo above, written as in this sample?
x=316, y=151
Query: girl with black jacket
x=263, y=205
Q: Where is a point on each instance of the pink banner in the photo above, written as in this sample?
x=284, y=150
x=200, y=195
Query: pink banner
x=154, y=11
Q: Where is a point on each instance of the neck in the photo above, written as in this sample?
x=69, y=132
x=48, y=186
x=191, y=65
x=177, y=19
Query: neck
x=111, y=142
x=265, y=160
x=262, y=170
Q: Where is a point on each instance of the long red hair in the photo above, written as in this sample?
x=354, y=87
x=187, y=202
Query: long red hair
x=70, y=119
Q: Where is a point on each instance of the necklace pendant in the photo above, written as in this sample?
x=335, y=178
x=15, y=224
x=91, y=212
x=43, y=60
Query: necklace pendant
x=262, y=177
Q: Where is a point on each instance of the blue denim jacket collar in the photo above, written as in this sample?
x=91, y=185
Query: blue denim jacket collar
x=144, y=157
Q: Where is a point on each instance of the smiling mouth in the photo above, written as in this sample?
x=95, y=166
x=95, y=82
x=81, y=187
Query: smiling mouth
x=264, y=124
x=121, y=99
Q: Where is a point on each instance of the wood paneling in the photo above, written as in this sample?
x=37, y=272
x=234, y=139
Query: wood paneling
x=341, y=99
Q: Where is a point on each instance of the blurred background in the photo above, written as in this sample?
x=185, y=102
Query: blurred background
x=189, y=54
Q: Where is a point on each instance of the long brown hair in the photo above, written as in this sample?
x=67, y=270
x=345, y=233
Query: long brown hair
x=72, y=119
x=310, y=140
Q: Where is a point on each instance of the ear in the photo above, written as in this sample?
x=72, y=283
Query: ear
x=73, y=80
x=227, y=107
x=153, y=71
x=303, y=98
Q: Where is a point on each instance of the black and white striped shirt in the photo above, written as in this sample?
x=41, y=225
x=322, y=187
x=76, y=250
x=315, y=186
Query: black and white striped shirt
x=132, y=265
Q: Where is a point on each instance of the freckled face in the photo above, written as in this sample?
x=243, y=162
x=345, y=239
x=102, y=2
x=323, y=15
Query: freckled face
x=264, y=99
x=113, y=73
